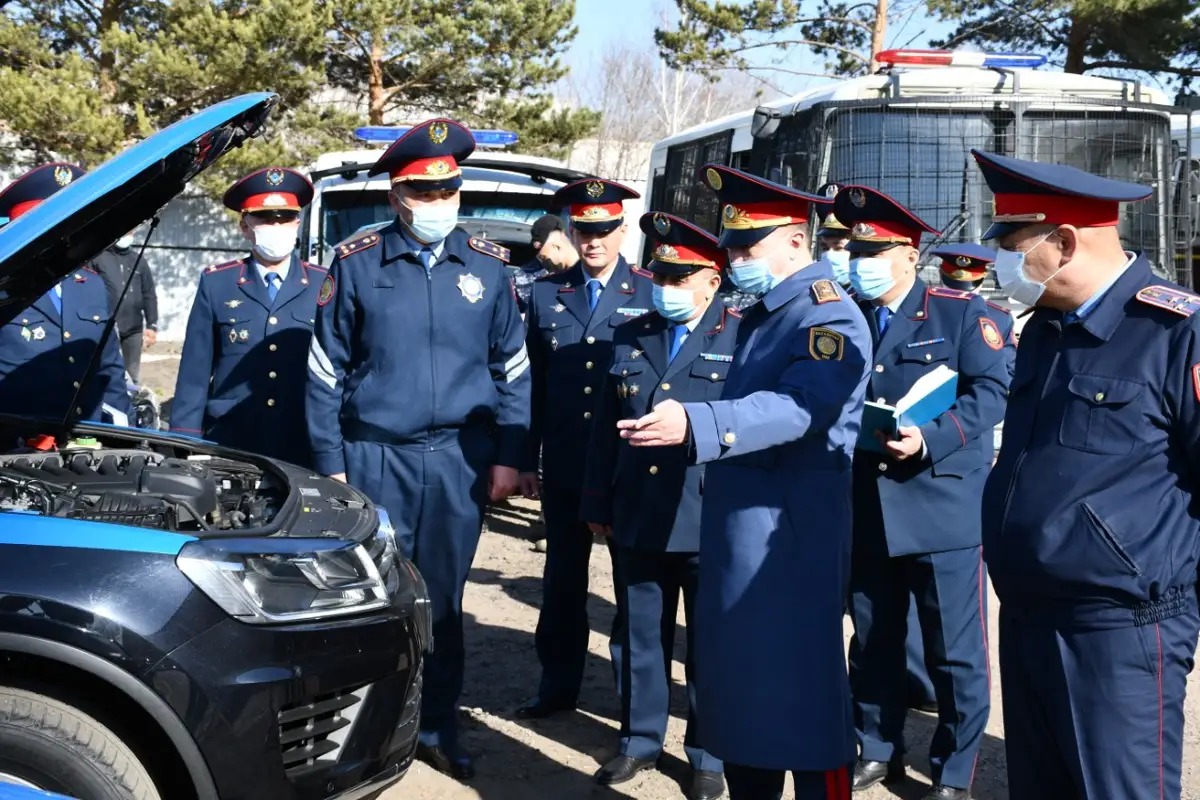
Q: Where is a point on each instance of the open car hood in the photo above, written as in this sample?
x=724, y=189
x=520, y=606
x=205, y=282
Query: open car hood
x=41, y=247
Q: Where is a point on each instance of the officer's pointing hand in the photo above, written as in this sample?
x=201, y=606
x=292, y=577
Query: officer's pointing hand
x=503, y=483
x=666, y=425
x=910, y=443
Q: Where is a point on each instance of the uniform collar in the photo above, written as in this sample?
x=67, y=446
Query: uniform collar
x=1108, y=310
x=795, y=284
x=262, y=271
x=416, y=247
x=1084, y=310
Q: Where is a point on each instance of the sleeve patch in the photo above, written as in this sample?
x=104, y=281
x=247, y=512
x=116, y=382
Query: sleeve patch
x=825, y=344
x=823, y=291
x=356, y=245
x=1168, y=297
x=942, y=291
x=991, y=334
x=489, y=248
x=1196, y=381
x=326, y=293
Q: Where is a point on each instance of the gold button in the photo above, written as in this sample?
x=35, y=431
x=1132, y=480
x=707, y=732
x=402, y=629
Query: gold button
x=273, y=320
x=928, y=357
x=920, y=313
x=730, y=437
x=79, y=411
x=624, y=372
x=96, y=317
x=714, y=376
x=66, y=334
x=273, y=348
x=587, y=415
x=271, y=375
x=553, y=324
x=24, y=321
x=879, y=367
x=882, y=467
x=588, y=365
x=880, y=400
x=653, y=470
x=666, y=387
x=71, y=359
x=587, y=390
x=591, y=340
x=1099, y=397
x=75, y=384
x=270, y=402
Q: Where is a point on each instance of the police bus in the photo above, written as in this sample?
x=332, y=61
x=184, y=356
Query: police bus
x=908, y=131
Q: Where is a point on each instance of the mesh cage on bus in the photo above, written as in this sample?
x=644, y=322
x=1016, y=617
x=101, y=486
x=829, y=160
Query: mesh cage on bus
x=682, y=180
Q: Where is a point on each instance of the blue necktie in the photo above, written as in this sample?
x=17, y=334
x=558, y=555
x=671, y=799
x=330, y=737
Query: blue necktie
x=679, y=336
x=882, y=315
x=273, y=281
x=56, y=300
x=593, y=289
x=426, y=257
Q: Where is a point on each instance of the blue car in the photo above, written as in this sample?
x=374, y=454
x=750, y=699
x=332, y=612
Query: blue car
x=178, y=619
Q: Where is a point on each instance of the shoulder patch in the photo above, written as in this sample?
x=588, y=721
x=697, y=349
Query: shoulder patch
x=326, y=292
x=1168, y=297
x=825, y=344
x=823, y=291
x=226, y=265
x=357, y=245
x=942, y=291
x=489, y=248
x=645, y=273
x=998, y=307
x=991, y=334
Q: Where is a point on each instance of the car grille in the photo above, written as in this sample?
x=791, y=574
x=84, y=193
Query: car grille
x=311, y=735
x=410, y=718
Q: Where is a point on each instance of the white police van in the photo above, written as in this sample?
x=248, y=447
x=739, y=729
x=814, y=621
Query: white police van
x=908, y=131
x=502, y=194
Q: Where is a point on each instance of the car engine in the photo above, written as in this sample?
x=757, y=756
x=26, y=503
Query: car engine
x=141, y=488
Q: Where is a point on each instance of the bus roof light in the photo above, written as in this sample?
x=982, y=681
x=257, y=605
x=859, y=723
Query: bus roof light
x=951, y=58
x=390, y=133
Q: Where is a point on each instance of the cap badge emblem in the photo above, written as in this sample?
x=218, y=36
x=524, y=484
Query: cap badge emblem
x=594, y=188
x=714, y=178
x=662, y=224
x=862, y=230
x=831, y=190
x=439, y=132
x=437, y=168
x=962, y=261
x=275, y=177
x=62, y=175
x=665, y=251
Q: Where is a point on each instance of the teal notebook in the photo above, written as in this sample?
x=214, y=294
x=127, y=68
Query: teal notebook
x=931, y=396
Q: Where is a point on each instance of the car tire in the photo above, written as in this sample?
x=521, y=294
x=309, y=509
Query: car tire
x=58, y=748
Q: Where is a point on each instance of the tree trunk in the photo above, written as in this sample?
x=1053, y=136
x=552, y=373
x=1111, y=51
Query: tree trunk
x=878, y=31
x=376, y=97
x=1077, y=40
x=110, y=17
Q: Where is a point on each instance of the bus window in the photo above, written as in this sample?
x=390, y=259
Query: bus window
x=684, y=195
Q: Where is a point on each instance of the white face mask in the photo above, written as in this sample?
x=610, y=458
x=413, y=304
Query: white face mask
x=1010, y=274
x=125, y=242
x=274, y=243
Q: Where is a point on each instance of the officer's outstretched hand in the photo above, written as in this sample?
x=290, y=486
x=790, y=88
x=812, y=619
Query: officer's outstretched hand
x=666, y=425
x=502, y=483
x=910, y=443
x=529, y=485
x=600, y=530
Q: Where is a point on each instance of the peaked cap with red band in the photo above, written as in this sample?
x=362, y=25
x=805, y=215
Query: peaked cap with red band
x=876, y=221
x=429, y=157
x=1030, y=193
x=964, y=266
x=594, y=205
x=752, y=207
x=830, y=225
x=27, y=191
x=270, y=189
x=680, y=248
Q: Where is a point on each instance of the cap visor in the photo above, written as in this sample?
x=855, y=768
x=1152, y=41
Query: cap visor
x=673, y=270
x=454, y=182
x=869, y=248
x=598, y=228
x=742, y=238
x=834, y=233
x=962, y=286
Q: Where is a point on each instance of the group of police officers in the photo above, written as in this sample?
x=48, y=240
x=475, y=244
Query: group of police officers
x=721, y=457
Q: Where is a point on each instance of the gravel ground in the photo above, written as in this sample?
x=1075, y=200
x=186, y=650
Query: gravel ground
x=554, y=759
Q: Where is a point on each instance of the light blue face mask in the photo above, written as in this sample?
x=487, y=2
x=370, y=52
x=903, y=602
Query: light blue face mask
x=840, y=261
x=674, y=303
x=432, y=224
x=753, y=276
x=871, y=277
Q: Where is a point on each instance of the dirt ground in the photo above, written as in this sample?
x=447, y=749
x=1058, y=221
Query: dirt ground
x=554, y=759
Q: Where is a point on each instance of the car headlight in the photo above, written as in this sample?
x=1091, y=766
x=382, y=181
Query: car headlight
x=297, y=580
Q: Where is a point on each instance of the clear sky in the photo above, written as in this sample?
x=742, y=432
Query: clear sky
x=602, y=22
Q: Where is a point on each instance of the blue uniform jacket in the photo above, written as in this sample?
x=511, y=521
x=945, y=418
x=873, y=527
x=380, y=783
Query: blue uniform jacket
x=931, y=504
x=570, y=349
x=405, y=357
x=245, y=360
x=651, y=495
x=44, y=354
x=775, y=530
x=1090, y=514
x=1004, y=321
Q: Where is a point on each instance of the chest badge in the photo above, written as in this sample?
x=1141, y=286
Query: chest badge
x=38, y=333
x=232, y=336
x=634, y=389
x=244, y=335
x=471, y=287
x=26, y=334
x=233, y=303
x=553, y=343
x=559, y=308
x=635, y=353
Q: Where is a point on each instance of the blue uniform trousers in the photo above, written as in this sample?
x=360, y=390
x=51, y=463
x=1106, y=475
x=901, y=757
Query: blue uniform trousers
x=436, y=499
x=919, y=688
x=1094, y=714
x=651, y=583
x=561, y=637
x=950, y=592
x=753, y=783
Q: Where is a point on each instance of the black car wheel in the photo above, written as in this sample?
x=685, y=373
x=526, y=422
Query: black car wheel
x=58, y=748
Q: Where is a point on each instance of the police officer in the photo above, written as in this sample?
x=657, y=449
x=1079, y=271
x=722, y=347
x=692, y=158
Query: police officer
x=1089, y=516
x=771, y=683
x=243, y=371
x=916, y=504
x=45, y=351
x=648, y=500
x=418, y=391
x=553, y=252
x=571, y=319
x=833, y=236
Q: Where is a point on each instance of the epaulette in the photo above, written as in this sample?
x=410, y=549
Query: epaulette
x=942, y=291
x=645, y=273
x=88, y=268
x=823, y=291
x=317, y=267
x=489, y=248
x=228, y=264
x=1177, y=300
x=358, y=245
x=999, y=307
x=733, y=312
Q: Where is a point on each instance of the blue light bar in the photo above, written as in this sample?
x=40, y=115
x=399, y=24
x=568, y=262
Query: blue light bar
x=1014, y=60
x=389, y=133
x=958, y=58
